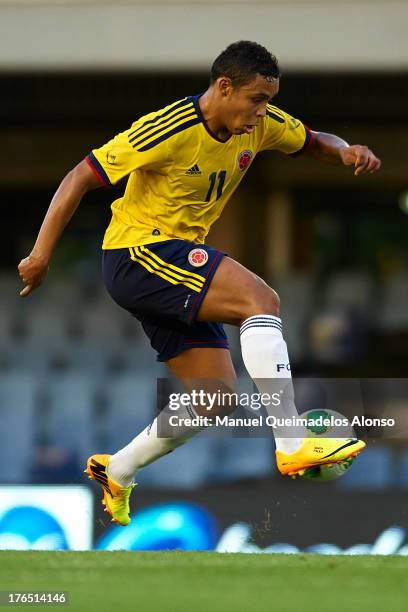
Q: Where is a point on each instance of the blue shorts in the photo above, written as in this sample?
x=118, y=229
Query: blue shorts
x=163, y=284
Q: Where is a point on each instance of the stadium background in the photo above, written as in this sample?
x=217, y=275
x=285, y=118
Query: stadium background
x=77, y=376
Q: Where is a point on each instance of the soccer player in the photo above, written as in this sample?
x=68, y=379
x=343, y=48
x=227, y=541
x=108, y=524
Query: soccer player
x=184, y=162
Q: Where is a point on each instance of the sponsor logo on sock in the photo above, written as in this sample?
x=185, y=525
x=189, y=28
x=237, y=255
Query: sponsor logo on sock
x=283, y=366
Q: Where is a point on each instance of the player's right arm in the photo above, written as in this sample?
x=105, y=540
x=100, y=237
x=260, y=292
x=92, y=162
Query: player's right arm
x=80, y=180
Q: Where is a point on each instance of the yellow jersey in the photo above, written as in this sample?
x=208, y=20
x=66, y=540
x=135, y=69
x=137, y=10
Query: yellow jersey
x=180, y=174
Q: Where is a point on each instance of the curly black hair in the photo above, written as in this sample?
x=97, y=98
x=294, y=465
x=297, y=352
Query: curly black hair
x=242, y=61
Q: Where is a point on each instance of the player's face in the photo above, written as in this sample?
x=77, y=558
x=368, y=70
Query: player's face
x=246, y=105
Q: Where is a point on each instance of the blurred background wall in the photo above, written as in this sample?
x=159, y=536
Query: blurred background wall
x=72, y=74
x=151, y=34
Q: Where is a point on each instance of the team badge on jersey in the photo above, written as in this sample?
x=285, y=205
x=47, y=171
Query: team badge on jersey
x=198, y=257
x=244, y=159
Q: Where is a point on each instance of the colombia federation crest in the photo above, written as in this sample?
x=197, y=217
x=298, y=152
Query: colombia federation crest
x=198, y=257
x=244, y=159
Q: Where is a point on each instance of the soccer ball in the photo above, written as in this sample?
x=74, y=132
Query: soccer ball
x=317, y=429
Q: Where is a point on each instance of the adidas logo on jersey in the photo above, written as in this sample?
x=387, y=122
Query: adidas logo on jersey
x=194, y=171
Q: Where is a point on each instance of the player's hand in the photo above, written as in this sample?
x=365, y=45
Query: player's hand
x=359, y=156
x=32, y=271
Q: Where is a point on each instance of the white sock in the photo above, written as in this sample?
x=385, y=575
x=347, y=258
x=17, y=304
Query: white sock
x=265, y=356
x=149, y=446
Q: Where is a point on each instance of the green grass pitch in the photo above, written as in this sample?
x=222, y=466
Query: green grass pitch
x=209, y=582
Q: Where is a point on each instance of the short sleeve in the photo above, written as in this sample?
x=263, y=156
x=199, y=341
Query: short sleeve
x=128, y=151
x=284, y=133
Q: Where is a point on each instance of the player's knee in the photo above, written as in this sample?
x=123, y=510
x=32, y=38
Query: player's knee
x=263, y=301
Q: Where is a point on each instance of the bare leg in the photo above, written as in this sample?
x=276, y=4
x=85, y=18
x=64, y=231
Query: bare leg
x=235, y=294
x=208, y=369
x=203, y=363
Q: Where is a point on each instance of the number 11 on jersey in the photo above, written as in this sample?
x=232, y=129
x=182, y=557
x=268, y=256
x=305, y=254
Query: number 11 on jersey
x=221, y=180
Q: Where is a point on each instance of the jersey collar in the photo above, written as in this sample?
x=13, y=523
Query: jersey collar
x=195, y=101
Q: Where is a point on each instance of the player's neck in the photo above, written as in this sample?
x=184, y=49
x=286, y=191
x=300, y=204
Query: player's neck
x=208, y=106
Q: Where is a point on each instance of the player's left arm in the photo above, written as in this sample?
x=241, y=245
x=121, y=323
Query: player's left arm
x=332, y=149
